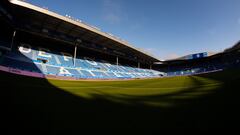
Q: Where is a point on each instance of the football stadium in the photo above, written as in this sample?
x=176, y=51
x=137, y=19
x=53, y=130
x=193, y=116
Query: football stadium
x=60, y=75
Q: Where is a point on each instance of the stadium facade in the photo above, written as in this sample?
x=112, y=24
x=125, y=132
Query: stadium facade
x=37, y=42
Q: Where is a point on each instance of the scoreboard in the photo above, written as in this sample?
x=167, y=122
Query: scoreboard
x=196, y=56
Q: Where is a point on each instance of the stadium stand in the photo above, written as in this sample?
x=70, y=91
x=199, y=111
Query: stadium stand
x=32, y=44
x=71, y=49
x=41, y=60
x=217, y=62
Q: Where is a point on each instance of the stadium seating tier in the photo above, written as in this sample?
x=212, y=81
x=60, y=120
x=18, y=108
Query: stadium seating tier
x=42, y=60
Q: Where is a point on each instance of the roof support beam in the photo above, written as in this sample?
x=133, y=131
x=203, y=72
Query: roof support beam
x=71, y=29
x=13, y=37
x=58, y=25
x=117, y=60
x=44, y=19
x=75, y=54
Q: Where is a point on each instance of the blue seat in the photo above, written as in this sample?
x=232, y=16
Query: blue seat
x=61, y=64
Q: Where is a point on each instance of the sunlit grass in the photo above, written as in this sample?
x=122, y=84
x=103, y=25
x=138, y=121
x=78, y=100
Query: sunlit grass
x=141, y=90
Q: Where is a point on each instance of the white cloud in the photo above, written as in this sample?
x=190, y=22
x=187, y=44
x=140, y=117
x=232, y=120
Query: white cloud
x=150, y=50
x=112, y=18
x=136, y=26
x=211, y=31
x=172, y=56
x=112, y=11
x=153, y=52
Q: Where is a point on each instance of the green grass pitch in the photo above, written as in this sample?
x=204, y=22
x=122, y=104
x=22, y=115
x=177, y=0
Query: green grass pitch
x=54, y=106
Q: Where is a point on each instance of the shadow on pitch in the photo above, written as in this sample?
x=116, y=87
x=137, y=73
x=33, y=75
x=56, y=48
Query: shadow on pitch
x=33, y=105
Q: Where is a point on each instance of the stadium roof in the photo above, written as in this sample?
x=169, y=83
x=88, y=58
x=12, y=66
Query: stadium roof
x=236, y=46
x=46, y=20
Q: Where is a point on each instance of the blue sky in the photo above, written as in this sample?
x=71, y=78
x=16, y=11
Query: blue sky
x=165, y=28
